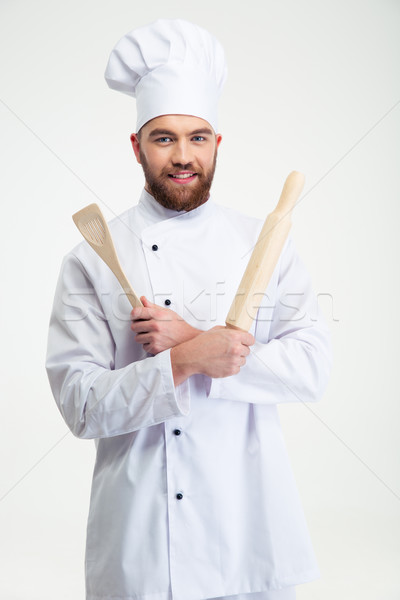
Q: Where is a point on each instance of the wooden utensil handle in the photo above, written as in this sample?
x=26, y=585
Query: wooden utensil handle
x=127, y=288
x=265, y=256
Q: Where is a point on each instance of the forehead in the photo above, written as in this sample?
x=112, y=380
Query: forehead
x=179, y=124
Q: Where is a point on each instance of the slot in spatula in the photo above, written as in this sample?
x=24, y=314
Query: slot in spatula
x=93, y=226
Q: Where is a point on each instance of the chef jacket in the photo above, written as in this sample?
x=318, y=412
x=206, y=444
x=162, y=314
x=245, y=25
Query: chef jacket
x=193, y=496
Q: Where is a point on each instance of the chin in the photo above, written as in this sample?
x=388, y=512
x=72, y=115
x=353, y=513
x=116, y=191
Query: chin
x=179, y=199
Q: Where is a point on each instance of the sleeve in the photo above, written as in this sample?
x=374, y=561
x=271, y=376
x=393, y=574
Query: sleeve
x=291, y=358
x=95, y=399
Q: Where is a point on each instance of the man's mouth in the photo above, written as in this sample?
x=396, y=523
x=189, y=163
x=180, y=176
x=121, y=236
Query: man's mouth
x=183, y=177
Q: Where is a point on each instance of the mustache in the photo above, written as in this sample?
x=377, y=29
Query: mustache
x=178, y=168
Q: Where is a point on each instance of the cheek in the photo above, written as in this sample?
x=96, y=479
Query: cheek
x=207, y=160
x=157, y=160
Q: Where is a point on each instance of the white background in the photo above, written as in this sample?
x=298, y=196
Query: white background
x=314, y=86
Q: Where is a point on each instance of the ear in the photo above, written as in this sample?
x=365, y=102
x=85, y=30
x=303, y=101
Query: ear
x=136, y=146
x=218, y=137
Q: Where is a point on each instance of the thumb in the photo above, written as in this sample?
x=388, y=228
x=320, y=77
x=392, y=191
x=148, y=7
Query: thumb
x=146, y=302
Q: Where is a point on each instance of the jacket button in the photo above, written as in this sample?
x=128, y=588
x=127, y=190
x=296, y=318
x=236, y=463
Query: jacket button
x=154, y=247
x=179, y=496
x=167, y=302
x=177, y=431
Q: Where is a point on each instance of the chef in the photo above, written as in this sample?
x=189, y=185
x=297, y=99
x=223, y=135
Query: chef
x=192, y=496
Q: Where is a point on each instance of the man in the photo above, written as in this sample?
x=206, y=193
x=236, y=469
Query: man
x=166, y=147
x=192, y=497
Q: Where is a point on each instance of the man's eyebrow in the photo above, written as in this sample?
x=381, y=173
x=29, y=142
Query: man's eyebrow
x=166, y=132
x=204, y=130
x=161, y=132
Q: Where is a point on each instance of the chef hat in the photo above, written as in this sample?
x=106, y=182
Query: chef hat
x=170, y=67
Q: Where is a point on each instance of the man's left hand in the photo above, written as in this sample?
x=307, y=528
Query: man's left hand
x=158, y=328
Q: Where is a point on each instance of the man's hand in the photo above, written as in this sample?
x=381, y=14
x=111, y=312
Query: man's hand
x=219, y=352
x=158, y=328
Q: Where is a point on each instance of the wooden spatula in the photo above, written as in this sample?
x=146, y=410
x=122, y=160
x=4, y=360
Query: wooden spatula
x=93, y=226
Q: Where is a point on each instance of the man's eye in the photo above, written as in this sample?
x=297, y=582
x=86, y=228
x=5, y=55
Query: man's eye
x=164, y=140
x=198, y=138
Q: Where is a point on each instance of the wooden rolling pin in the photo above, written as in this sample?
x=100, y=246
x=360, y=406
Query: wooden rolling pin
x=265, y=256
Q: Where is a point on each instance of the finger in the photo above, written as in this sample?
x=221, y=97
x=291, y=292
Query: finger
x=248, y=339
x=145, y=325
x=140, y=313
x=148, y=349
x=143, y=338
x=140, y=326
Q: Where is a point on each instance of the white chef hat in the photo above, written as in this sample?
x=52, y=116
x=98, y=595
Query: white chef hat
x=170, y=67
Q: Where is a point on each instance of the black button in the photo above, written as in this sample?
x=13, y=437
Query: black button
x=179, y=496
x=167, y=302
x=177, y=431
x=154, y=247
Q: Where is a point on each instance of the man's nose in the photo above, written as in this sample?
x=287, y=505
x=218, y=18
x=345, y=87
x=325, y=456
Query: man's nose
x=182, y=153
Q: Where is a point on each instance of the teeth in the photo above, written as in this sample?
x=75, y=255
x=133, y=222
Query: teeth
x=183, y=175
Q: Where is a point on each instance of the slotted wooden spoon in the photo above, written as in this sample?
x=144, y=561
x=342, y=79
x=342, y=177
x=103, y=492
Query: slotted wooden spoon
x=93, y=226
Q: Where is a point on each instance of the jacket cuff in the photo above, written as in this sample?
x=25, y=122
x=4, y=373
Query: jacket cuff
x=180, y=393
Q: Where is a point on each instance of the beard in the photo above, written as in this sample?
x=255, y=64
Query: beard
x=180, y=197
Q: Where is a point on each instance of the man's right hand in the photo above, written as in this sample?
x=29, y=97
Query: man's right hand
x=219, y=352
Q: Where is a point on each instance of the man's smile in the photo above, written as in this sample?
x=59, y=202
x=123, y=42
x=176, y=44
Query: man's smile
x=183, y=177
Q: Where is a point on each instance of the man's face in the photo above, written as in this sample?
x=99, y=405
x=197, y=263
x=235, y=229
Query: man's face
x=178, y=155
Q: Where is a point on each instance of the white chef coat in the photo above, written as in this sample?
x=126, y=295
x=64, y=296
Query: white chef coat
x=193, y=496
x=287, y=593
